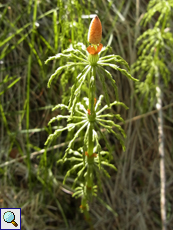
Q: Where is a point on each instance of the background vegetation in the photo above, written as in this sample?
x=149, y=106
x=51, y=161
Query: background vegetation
x=30, y=32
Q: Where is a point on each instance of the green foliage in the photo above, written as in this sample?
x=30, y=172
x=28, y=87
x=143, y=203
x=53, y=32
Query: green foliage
x=163, y=7
x=86, y=115
x=155, y=44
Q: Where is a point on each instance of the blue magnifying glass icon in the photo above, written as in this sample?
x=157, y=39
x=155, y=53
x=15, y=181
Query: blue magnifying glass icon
x=9, y=217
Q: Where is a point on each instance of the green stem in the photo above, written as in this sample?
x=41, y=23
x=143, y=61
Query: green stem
x=86, y=212
x=91, y=117
x=90, y=158
x=92, y=110
x=92, y=90
x=90, y=142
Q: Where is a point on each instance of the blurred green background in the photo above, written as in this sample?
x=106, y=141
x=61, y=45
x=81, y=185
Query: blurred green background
x=30, y=32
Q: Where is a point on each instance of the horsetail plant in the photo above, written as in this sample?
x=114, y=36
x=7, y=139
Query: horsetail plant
x=87, y=115
x=156, y=45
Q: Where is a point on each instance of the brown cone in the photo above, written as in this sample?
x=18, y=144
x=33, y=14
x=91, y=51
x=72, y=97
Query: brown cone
x=95, y=31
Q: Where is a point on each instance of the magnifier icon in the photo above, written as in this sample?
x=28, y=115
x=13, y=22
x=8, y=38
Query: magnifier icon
x=9, y=218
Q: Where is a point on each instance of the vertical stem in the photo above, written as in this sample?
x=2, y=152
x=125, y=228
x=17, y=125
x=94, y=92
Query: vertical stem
x=161, y=141
x=90, y=159
x=28, y=90
x=27, y=118
x=162, y=160
x=91, y=108
x=161, y=148
x=92, y=90
x=90, y=141
x=55, y=27
x=72, y=19
x=89, y=182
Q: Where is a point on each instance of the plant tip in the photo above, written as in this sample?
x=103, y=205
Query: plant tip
x=95, y=31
